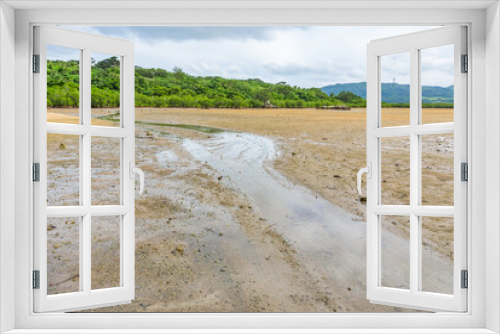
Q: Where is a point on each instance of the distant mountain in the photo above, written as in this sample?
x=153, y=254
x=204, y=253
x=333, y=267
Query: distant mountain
x=394, y=92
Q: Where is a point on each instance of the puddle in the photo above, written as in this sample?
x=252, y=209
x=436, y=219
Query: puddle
x=166, y=157
x=327, y=239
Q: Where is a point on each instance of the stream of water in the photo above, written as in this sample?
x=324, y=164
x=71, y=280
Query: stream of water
x=326, y=237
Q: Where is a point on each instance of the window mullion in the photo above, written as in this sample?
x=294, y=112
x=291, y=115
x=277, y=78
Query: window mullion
x=85, y=235
x=67, y=129
x=414, y=171
x=434, y=129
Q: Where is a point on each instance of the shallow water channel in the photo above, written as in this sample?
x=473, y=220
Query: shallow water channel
x=329, y=241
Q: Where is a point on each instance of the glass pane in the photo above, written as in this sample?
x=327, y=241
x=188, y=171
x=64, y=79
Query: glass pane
x=395, y=251
x=63, y=170
x=395, y=89
x=63, y=84
x=63, y=255
x=106, y=252
x=437, y=169
x=437, y=254
x=105, y=171
x=395, y=170
x=437, y=80
x=105, y=90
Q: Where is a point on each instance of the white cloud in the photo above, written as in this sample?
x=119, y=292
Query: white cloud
x=303, y=56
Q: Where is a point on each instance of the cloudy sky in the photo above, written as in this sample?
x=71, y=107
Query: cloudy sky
x=303, y=56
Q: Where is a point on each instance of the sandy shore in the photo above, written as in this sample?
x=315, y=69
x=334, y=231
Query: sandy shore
x=202, y=246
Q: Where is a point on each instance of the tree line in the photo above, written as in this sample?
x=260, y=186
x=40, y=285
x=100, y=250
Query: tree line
x=156, y=87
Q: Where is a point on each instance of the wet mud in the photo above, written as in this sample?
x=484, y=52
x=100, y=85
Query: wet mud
x=220, y=229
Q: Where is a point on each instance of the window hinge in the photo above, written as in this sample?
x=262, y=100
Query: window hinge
x=36, y=172
x=36, y=63
x=464, y=171
x=36, y=279
x=465, y=279
x=465, y=64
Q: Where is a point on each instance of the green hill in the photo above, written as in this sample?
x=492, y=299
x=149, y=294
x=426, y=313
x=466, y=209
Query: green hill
x=396, y=93
x=161, y=88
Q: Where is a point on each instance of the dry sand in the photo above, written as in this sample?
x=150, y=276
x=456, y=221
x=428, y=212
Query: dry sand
x=201, y=246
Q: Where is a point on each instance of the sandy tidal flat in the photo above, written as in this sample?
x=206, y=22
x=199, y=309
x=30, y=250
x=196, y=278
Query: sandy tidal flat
x=203, y=245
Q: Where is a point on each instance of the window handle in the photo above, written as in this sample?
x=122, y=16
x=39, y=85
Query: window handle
x=368, y=171
x=135, y=170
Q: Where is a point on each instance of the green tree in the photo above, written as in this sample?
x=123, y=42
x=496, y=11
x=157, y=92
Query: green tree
x=161, y=88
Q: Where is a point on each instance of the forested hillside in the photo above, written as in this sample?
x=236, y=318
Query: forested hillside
x=394, y=93
x=161, y=88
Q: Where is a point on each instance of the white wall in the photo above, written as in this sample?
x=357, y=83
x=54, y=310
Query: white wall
x=305, y=17
x=7, y=159
x=492, y=163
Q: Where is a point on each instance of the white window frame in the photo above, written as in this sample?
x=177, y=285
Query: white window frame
x=85, y=297
x=415, y=296
x=484, y=103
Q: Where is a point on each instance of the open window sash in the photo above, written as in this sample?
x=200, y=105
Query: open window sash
x=85, y=297
x=414, y=297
